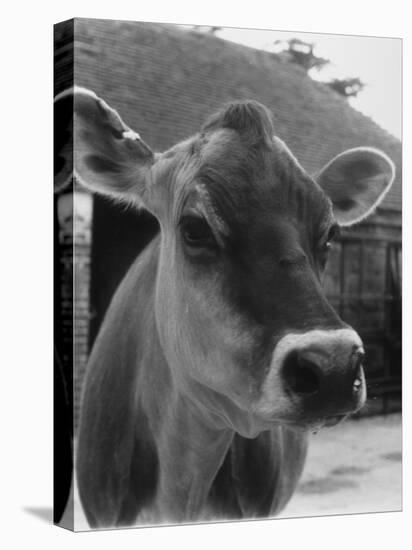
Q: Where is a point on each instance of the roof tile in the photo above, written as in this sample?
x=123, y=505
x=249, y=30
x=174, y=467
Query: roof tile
x=165, y=82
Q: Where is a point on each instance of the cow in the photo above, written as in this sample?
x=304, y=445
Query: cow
x=219, y=353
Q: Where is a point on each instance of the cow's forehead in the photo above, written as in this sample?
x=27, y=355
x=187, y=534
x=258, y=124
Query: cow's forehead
x=251, y=181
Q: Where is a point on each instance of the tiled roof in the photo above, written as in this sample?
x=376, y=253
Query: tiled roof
x=165, y=82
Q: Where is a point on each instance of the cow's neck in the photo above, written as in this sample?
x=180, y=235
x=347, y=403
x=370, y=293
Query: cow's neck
x=191, y=452
x=190, y=448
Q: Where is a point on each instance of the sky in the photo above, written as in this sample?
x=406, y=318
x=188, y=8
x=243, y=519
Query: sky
x=376, y=61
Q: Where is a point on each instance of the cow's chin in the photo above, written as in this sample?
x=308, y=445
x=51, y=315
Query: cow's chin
x=250, y=425
x=237, y=413
x=317, y=423
x=224, y=412
x=302, y=420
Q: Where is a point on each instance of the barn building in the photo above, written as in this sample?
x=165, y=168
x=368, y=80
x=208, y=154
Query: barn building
x=165, y=81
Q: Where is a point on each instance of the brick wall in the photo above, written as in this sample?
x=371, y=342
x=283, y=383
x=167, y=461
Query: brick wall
x=74, y=218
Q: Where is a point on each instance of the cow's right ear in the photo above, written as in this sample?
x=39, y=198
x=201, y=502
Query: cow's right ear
x=356, y=181
x=108, y=157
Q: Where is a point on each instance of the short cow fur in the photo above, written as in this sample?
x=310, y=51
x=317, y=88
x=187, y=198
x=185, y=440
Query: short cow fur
x=219, y=352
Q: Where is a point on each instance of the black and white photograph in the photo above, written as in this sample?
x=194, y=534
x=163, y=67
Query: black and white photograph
x=227, y=274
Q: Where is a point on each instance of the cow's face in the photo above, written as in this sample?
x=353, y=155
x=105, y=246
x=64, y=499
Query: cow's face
x=241, y=315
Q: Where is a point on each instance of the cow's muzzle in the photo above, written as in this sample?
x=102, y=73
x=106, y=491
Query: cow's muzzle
x=324, y=377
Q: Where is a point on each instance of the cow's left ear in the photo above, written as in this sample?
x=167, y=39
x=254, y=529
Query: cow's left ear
x=105, y=155
x=356, y=181
x=63, y=140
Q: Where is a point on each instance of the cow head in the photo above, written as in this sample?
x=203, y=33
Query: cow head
x=245, y=232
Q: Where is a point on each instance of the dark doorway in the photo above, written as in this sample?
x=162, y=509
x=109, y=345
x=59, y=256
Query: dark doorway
x=119, y=234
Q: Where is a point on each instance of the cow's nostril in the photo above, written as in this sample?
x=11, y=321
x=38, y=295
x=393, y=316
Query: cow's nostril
x=301, y=374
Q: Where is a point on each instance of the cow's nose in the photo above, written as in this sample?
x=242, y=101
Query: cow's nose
x=326, y=383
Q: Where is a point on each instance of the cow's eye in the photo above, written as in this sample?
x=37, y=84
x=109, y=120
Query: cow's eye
x=333, y=233
x=327, y=243
x=196, y=232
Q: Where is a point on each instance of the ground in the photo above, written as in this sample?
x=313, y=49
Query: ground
x=355, y=467
x=352, y=468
